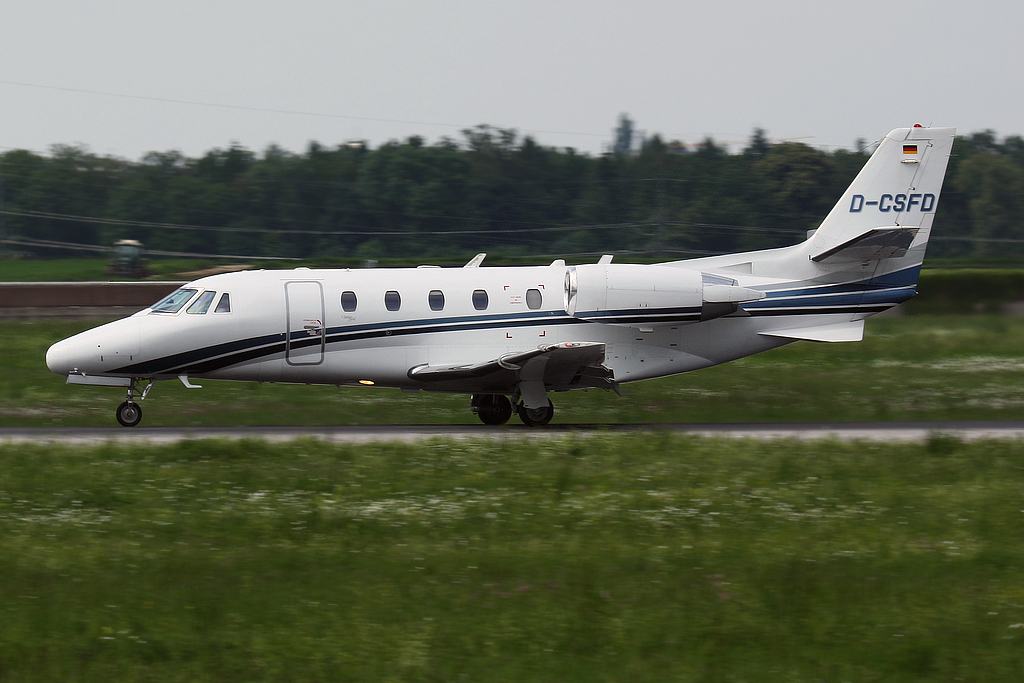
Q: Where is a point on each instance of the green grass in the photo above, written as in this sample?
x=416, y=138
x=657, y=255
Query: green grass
x=616, y=558
x=80, y=270
x=909, y=368
x=968, y=290
x=53, y=270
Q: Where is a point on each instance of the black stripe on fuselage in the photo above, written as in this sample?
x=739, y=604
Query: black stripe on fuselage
x=640, y=316
x=217, y=356
x=253, y=347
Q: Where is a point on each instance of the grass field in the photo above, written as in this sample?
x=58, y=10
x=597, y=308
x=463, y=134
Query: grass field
x=84, y=269
x=619, y=558
x=907, y=368
x=609, y=558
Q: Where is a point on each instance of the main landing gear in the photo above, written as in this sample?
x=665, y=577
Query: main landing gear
x=535, y=417
x=129, y=413
x=492, y=409
x=496, y=409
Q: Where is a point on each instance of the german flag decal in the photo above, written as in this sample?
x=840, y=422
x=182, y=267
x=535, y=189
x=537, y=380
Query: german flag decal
x=910, y=149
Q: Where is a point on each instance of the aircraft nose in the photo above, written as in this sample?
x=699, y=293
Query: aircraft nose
x=57, y=358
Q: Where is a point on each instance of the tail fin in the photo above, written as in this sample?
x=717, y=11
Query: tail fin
x=887, y=212
x=879, y=229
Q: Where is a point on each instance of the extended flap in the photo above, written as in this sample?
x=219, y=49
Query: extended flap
x=835, y=332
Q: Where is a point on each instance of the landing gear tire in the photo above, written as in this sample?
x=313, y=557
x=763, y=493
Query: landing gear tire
x=492, y=409
x=129, y=414
x=535, y=417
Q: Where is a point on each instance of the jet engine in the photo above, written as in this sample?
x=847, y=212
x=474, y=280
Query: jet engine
x=650, y=295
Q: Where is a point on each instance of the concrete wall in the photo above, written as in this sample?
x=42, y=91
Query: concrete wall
x=79, y=299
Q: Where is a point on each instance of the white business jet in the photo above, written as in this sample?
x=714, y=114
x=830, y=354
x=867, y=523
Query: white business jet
x=511, y=335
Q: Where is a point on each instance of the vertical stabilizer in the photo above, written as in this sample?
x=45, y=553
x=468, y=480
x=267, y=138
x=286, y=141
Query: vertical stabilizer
x=887, y=211
x=878, y=230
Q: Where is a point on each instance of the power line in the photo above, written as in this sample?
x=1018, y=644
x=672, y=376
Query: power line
x=3, y=229
x=395, y=233
x=74, y=246
x=271, y=110
x=175, y=226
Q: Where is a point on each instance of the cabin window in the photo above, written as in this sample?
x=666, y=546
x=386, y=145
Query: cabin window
x=533, y=298
x=436, y=300
x=202, y=304
x=224, y=305
x=392, y=300
x=173, y=302
x=348, y=301
x=479, y=299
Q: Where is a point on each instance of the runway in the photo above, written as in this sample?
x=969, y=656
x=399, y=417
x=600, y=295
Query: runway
x=848, y=431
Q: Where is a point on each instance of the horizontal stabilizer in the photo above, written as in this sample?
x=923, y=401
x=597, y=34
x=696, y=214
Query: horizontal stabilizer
x=873, y=245
x=836, y=332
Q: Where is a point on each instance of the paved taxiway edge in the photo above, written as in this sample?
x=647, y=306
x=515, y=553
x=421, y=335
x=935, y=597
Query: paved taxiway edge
x=848, y=431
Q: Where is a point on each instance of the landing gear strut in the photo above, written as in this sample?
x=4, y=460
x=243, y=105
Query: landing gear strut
x=492, y=409
x=129, y=413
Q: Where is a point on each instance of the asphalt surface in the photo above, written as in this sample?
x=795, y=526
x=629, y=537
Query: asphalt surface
x=865, y=431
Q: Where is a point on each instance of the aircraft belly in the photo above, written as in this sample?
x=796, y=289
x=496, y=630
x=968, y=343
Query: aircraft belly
x=663, y=351
x=249, y=371
x=271, y=368
x=743, y=336
x=383, y=365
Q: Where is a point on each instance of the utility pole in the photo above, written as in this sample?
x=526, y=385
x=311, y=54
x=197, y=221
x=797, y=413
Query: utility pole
x=3, y=216
x=662, y=217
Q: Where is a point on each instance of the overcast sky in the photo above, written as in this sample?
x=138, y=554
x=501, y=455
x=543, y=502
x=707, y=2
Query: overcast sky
x=126, y=77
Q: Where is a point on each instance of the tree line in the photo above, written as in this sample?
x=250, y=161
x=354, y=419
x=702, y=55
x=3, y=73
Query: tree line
x=490, y=190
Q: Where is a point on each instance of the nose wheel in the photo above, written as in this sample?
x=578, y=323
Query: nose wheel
x=129, y=414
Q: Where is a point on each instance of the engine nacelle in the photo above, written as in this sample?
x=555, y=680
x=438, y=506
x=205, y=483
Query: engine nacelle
x=650, y=295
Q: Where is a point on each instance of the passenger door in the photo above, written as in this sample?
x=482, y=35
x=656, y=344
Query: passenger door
x=305, y=336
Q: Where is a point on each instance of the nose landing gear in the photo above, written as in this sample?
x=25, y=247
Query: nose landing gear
x=129, y=413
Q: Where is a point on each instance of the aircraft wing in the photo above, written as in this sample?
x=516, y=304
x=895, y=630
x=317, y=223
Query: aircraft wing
x=569, y=364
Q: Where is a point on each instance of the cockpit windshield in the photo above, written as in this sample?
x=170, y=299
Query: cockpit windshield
x=202, y=304
x=173, y=302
